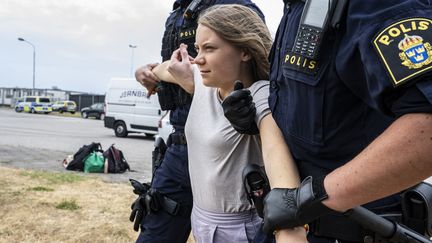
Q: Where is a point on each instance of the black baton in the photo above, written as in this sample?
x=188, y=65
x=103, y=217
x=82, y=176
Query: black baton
x=387, y=229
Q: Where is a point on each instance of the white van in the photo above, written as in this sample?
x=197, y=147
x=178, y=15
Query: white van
x=128, y=110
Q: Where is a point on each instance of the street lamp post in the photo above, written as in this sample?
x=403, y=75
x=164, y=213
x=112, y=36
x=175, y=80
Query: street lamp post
x=34, y=62
x=132, y=57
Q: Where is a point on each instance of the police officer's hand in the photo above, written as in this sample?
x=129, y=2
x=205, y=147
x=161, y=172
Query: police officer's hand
x=138, y=212
x=146, y=77
x=240, y=110
x=289, y=208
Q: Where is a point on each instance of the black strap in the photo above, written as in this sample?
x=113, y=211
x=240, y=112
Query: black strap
x=338, y=227
x=174, y=208
x=177, y=139
x=154, y=201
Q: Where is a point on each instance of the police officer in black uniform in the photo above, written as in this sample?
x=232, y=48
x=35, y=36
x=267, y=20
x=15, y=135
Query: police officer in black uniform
x=170, y=199
x=351, y=90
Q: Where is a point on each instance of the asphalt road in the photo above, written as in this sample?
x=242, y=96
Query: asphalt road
x=40, y=141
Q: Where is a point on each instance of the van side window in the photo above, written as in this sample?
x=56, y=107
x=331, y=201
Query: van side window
x=31, y=99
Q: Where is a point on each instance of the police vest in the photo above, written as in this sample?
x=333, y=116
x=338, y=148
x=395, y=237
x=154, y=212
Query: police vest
x=178, y=30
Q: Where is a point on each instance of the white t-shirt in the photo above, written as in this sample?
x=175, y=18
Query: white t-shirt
x=217, y=152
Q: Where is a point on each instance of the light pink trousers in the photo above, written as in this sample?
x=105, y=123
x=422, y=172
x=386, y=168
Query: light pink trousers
x=209, y=227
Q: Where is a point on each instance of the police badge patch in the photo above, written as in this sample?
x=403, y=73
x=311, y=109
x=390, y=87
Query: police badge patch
x=404, y=48
x=187, y=33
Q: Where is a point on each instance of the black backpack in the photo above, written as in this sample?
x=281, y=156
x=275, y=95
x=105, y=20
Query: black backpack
x=78, y=159
x=116, y=161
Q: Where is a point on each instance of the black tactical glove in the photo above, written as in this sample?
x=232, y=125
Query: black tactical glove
x=240, y=110
x=138, y=207
x=153, y=200
x=288, y=208
x=138, y=212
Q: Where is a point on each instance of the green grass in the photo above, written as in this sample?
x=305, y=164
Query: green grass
x=15, y=193
x=45, y=204
x=68, y=205
x=54, y=177
x=41, y=189
x=105, y=210
x=5, y=233
x=121, y=234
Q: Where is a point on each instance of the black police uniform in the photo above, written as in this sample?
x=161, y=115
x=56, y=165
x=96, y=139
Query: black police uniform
x=171, y=179
x=375, y=67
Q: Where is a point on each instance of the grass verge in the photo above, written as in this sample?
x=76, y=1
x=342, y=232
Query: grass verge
x=38, y=206
x=53, y=177
x=68, y=205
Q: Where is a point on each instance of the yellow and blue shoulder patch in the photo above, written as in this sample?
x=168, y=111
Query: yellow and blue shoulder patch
x=405, y=48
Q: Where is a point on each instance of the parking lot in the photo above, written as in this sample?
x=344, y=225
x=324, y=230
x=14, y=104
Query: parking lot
x=42, y=141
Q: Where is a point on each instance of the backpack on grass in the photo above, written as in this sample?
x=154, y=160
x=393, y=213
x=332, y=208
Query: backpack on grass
x=116, y=161
x=79, y=157
x=94, y=163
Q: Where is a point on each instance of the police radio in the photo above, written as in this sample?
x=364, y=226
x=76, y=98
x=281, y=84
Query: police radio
x=192, y=10
x=313, y=24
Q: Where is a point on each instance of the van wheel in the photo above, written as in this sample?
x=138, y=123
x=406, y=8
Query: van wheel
x=120, y=129
x=32, y=110
x=61, y=111
x=17, y=109
x=84, y=115
x=102, y=116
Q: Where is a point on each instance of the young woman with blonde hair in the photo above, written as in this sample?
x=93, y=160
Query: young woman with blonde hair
x=233, y=44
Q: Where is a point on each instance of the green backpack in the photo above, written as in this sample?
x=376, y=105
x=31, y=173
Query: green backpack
x=94, y=163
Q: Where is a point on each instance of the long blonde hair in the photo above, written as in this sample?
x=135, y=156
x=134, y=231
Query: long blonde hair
x=243, y=28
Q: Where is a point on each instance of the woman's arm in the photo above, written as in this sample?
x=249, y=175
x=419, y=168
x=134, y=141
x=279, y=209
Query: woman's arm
x=281, y=170
x=178, y=70
x=161, y=72
x=280, y=167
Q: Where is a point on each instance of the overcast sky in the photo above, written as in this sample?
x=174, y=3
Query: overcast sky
x=81, y=44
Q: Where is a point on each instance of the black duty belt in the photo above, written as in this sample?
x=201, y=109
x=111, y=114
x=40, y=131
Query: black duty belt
x=177, y=139
x=174, y=208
